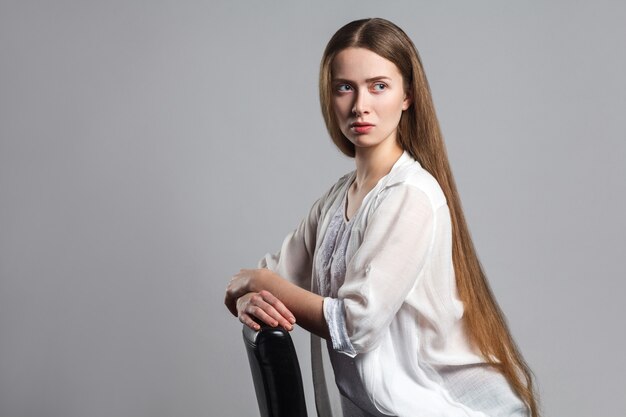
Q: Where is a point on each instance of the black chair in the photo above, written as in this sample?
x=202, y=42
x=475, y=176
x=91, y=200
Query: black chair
x=275, y=372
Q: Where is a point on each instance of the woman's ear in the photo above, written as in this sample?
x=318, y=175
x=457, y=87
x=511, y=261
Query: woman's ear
x=408, y=100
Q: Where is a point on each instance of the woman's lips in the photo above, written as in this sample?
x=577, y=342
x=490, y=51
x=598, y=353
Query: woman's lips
x=362, y=128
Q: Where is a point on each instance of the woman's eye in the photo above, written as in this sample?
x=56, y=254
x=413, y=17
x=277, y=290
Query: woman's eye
x=343, y=87
x=379, y=86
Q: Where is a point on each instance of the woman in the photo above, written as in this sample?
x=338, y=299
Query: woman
x=383, y=267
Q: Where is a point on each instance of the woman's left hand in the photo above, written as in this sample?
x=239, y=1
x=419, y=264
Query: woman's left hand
x=264, y=295
x=247, y=280
x=263, y=306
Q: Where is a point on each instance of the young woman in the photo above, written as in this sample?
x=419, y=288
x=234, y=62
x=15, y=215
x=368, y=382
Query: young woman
x=383, y=267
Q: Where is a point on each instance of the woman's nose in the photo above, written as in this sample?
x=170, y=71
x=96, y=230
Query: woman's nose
x=361, y=103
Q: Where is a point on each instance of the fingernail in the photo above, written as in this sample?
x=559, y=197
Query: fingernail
x=292, y=320
x=274, y=324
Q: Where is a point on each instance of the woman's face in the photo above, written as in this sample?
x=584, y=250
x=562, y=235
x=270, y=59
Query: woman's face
x=368, y=97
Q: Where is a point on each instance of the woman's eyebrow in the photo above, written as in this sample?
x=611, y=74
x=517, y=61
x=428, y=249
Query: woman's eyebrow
x=369, y=80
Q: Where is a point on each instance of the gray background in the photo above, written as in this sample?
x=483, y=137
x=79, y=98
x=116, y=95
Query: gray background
x=148, y=150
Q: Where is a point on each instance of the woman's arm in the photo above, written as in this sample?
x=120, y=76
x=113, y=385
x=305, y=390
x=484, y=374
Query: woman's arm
x=385, y=268
x=294, y=260
x=265, y=295
x=277, y=293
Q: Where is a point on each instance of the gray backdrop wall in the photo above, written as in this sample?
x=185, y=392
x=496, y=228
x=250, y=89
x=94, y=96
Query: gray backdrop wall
x=148, y=150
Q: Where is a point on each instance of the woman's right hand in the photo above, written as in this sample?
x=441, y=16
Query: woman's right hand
x=266, y=308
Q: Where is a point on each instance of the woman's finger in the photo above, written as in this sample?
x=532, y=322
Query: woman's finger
x=268, y=309
x=259, y=308
x=278, y=306
x=234, y=290
x=259, y=313
x=249, y=321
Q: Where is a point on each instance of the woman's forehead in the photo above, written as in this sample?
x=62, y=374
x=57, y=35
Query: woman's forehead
x=362, y=64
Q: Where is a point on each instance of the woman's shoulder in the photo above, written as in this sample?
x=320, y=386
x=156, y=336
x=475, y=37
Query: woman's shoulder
x=410, y=173
x=334, y=191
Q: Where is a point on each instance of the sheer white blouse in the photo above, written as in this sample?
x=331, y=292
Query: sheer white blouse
x=396, y=316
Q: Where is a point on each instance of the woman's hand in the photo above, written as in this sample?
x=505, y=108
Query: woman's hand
x=263, y=295
x=247, y=280
x=265, y=307
x=246, y=298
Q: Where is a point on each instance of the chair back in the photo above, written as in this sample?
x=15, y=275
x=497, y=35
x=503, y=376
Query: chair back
x=275, y=372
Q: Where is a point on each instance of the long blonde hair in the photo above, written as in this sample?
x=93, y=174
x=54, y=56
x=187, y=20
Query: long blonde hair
x=420, y=135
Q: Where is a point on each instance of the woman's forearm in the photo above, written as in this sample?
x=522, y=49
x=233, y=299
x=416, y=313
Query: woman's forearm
x=306, y=306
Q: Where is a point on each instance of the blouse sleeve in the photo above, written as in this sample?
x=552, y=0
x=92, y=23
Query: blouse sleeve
x=294, y=259
x=395, y=248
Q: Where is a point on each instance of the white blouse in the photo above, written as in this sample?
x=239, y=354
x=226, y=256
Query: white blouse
x=397, y=313
x=331, y=267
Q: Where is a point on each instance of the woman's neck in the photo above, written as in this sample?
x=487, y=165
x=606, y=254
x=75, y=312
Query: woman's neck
x=373, y=163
